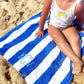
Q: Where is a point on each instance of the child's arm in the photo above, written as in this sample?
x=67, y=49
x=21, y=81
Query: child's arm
x=45, y=11
x=79, y=12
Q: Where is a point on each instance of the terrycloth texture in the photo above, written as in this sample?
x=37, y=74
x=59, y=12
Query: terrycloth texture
x=39, y=60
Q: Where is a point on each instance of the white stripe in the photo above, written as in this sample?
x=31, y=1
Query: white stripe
x=14, y=49
x=34, y=75
x=37, y=49
x=17, y=33
x=61, y=73
x=82, y=42
x=57, y=78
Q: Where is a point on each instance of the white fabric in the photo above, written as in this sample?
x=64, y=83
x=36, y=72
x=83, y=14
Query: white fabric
x=60, y=18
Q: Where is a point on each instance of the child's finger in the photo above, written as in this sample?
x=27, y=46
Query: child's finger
x=37, y=34
x=42, y=34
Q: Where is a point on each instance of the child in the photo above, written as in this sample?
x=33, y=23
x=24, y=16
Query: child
x=61, y=29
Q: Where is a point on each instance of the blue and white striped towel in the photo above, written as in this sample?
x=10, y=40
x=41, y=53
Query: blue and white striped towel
x=39, y=60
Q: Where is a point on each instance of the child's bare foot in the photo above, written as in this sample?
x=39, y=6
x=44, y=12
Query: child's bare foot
x=78, y=68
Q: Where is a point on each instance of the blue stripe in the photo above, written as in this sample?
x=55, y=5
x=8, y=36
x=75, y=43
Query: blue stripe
x=19, y=26
x=26, y=49
x=81, y=34
x=27, y=69
x=82, y=51
x=56, y=64
x=19, y=39
x=68, y=78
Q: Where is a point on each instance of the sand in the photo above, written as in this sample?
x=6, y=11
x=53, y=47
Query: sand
x=12, y=13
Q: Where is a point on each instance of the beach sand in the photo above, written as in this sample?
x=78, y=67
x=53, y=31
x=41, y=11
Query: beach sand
x=12, y=13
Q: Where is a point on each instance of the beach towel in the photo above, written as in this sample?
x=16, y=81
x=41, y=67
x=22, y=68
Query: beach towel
x=39, y=60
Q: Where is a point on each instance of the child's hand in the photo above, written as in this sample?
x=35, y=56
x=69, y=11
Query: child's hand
x=39, y=33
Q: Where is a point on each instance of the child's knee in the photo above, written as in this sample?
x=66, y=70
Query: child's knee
x=75, y=39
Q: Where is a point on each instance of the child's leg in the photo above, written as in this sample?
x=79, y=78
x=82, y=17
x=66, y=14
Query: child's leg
x=60, y=40
x=74, y=39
